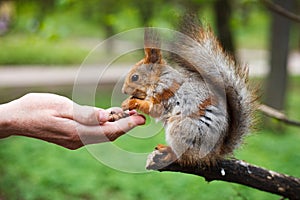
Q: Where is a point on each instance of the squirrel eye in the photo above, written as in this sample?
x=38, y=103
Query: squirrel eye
x=135, y=77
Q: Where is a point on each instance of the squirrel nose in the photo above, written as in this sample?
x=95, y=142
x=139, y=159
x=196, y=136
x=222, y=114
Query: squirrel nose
x=125, y=90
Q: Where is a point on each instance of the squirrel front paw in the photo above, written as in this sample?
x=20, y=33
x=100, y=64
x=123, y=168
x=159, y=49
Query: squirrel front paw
x=129, y=104
x=139, y=104
x=161, y=157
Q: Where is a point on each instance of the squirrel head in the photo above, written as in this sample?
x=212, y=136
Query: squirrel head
x=144, y=76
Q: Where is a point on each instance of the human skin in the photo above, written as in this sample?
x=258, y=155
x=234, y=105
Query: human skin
x=61, y=121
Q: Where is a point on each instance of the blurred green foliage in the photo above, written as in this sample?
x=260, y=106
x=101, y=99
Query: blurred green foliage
x=20, y=49
x=52, y=31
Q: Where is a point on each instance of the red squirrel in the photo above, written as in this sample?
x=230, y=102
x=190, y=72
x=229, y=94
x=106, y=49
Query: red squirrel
x=199, y=93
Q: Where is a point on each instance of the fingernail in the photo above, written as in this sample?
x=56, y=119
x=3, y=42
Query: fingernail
x=139, y=119
x=143, y=116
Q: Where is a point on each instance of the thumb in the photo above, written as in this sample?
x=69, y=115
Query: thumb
x=128, y=123
x=115, y=129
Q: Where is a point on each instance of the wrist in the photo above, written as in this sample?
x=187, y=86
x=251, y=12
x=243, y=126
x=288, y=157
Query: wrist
x=6, y=123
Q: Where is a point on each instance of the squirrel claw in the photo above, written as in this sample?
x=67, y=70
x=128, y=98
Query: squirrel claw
x=161, y=157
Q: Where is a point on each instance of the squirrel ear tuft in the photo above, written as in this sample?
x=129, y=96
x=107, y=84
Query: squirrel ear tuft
x=153, y=55
x=152, y=45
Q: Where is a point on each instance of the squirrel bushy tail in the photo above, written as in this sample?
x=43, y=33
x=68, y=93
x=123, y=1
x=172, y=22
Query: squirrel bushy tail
x=198, y=50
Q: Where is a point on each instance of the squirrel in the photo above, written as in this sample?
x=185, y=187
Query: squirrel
x=202, y=96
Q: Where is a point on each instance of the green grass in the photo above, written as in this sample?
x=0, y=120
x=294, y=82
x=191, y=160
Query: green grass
x=32, y=49
x=35, y=170
x=32, y=169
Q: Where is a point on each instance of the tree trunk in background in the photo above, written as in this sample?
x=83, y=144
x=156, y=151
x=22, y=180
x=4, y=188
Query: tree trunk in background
x=277, y=80
x=146, y=10
x=222, y=11
x=109, y=31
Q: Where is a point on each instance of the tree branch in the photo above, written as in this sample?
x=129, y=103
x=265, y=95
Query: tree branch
x=280, y=10
x=271, y=112
x=238, y=171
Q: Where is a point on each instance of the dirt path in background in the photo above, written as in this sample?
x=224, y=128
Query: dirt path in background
x=26, y=76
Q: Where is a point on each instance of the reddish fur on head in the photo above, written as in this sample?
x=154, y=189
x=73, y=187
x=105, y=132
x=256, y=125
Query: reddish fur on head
x=153, y=55
x=143, y=70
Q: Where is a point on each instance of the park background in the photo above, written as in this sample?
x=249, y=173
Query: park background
x=40, y=36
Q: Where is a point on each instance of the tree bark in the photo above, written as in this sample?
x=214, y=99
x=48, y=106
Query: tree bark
x=280, y=10
x=238, y=171
x=222, y=9
x=273, y=113
x=277, y=80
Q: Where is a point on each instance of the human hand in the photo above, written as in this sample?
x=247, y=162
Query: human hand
x=59, y=120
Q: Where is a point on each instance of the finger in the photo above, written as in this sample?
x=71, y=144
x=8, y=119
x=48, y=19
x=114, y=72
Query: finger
x=115, y=110
x=108, y=131
x=126, y=124
x=114, y=114
x=86, y=114
x=120, y=110
x=132, y=112
x=93, y=116
x=103, y=116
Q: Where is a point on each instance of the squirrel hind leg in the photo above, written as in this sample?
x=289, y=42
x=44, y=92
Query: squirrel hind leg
x=161, y=157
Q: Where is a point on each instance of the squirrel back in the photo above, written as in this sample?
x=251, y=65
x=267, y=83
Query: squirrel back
x=209, y=59
x=203, y=98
